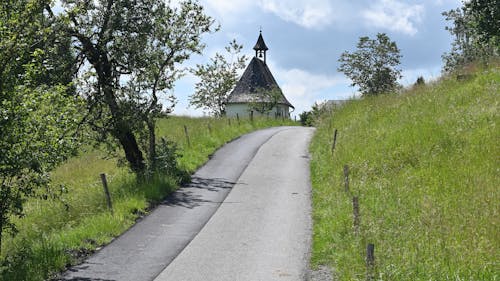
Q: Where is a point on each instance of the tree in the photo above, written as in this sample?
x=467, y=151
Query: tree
x=217, y=79
x=373, y=66
x=130, y=53
x=464, y=48
x=264, y=100
x=38, y=128
x=476, y=37
x=306, y=118
x=420, y=82
x=485, y=20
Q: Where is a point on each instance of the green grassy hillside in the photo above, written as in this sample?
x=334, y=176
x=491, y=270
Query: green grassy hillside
x=425, y=166
x=56, y=233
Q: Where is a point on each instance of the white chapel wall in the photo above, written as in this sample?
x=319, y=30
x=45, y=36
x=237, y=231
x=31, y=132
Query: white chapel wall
x=243, y=111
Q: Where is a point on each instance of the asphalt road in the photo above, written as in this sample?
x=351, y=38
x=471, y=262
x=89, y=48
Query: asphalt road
x=246, y=216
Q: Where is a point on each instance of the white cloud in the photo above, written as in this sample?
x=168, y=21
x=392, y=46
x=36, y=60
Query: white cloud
x=300, y=83
x=303, y=88
x=429, y=74
x=310, y=14
x=394, y=15
x=225, y=8
x=443, y=2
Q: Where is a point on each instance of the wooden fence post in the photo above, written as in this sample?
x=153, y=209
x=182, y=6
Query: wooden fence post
x=334, y=140
x=251, y=115
x=229, y=121
x=187, y=135
x=209, y=129
x=238, y=118
x=370, y=262
x=106, y=192
x=355, y=214
x=346, y=178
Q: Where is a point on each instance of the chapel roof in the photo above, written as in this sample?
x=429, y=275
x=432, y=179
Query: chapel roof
x=260, y=45
x=257, y=77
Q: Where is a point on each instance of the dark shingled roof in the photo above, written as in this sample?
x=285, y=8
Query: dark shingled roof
x=256, y=76
x=260, y=45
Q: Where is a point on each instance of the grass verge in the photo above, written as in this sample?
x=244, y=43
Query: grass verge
x=57, y=233
x=425, y=167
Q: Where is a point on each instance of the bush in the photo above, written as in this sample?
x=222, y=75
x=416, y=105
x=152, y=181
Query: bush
x=165, y=163
x=306, y=118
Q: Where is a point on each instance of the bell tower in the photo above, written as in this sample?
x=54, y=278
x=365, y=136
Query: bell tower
x=260, y=48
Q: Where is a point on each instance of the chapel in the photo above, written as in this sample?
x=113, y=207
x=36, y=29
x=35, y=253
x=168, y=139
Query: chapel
x=256, y=79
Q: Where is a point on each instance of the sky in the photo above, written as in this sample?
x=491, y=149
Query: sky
x=306, y=37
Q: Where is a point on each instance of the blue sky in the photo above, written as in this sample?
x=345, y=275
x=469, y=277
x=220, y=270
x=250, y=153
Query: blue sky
x=306, y=37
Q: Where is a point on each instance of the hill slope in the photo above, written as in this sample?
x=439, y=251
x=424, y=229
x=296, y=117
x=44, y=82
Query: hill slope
x=425, y=166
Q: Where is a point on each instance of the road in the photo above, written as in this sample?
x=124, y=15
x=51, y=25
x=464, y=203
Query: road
x=246, y=216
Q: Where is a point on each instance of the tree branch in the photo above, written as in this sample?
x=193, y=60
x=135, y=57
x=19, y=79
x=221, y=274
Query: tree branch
x=104, y=27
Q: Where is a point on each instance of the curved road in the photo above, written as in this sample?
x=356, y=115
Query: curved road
x=246, y=216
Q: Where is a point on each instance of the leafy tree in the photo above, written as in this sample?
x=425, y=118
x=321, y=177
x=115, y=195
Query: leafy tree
x=476, y=37
x=420, y=81
x=485, y=15
x=264, y=100
x=130, y=54
x=37, y=117
x=26, y=29
x=465, y=48
x=312, y=117
x=373, y=66
x=306, y=118
x=217, y=79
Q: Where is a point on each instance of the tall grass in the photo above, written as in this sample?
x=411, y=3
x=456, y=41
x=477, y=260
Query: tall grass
x=57, y=233
x=425, y=166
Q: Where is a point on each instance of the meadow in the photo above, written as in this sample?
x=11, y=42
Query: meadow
x=57, y=233
x=424, y=165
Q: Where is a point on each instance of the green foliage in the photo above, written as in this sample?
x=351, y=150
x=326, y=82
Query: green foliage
x=424, y=165
x=38, y=118
x=264, y=100
x=38, y=127
x=27, y=34
x=309, y=118
x=373, y=66
x=420, y=81
x=475, y=27
x=132, y=51
x=485, y=20
x=217, y=79
x=306, y=118
x=166, y=164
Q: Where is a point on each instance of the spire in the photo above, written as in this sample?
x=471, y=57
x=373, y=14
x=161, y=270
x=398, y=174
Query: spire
x=260, y=47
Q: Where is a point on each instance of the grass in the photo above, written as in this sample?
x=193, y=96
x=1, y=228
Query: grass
x=425, y=166
x=57, y=233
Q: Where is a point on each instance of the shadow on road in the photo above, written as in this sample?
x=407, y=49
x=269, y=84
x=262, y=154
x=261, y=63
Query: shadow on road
x=81, y=278
x=189, y=198
x=85, y=279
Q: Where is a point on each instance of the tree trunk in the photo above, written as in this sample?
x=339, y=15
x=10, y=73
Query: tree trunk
x=120, y=129
x=1, y=233
x=4, y=210
x=152, y=143
x=132, y=152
